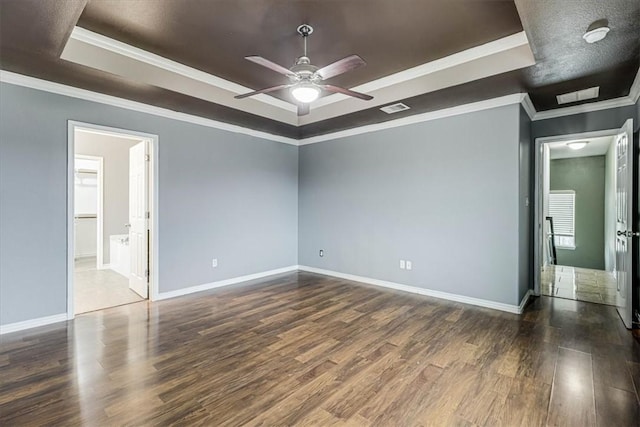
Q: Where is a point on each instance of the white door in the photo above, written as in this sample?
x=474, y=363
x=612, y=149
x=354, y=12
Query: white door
x=138, y=221
x=624, y=225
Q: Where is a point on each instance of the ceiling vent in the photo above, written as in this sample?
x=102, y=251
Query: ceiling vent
x=395, y=108
x=581, y=95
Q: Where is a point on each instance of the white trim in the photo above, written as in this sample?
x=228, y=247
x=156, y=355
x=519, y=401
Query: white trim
x=72, y=125
x=418, y=118
x=137, y=54
x=528, y=106
x=105, y=267
x=32, y=323
x=634, y=92
x=510, y=308
x=226, y=282
x=506, y=43
x=538, y=238
x=74, y=92
x=525, y=300
x=43, y=85
x=584, y=108
x=98, y=51
x=99, y=209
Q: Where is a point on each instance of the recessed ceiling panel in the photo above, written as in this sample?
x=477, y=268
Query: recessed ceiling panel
x=215, y=36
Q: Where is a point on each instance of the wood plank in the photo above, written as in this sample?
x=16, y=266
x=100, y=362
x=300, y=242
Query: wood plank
x=303, y=349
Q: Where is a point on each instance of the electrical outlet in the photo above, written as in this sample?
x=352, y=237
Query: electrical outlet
x=402, y=264
x=214, y=262
x=408, y=265
x=321, y=253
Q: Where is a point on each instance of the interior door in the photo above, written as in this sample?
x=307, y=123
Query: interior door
x=624, y=225
x=138, y=219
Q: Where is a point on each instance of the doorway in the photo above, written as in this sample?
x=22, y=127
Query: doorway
x=585, y=206
x=111, y=200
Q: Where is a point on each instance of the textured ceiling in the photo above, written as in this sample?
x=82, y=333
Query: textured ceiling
x=215, y=35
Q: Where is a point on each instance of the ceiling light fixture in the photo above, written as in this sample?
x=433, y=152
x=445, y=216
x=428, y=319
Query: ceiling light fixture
x=596, y=31
x=305, y=92
x=578, y=145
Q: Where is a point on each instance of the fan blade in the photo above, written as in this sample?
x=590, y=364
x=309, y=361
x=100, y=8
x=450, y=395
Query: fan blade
x=337, y=89
x=257, y=92
x=270, y=65
x=303, y=109
x=341, y=66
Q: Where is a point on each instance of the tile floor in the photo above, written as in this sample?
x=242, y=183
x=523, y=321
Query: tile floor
x=97, y=289
x=581, y=284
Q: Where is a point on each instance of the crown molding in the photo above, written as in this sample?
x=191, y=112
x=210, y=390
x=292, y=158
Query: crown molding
x=115, y=46
x=501, y=45
x=419, y=118
x=584, y=108
x=97, y=51
x=528, y=106
x=87, y=95
x=518, y=98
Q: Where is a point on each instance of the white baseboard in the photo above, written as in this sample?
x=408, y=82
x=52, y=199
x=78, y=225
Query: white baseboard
x=525, y=300
x=422, y=291
x=33, y=323
x=221, y=283
x=104, y=267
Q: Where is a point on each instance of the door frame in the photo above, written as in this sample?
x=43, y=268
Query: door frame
x=538, y=238
x=99, y=209
x=72, y=126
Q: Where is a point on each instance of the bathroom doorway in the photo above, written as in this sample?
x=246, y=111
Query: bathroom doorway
x=111, y=225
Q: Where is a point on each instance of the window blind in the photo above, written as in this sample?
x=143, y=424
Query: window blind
x=562, y=210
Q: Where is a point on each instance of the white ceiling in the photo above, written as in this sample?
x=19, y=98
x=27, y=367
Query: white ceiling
x=595, y=147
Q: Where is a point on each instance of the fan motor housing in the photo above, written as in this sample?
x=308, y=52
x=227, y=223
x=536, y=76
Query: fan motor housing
x=303, y=68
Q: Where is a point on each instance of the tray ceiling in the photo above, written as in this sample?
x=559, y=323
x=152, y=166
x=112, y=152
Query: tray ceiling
x=427, y=54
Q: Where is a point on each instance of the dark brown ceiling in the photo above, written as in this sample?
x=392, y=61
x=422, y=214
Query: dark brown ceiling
x=215, y=35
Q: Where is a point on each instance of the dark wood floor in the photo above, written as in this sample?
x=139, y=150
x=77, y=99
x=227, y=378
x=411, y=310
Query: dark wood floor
x=305, y=349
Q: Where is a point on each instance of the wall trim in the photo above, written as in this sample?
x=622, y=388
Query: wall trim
x=522, y=98
x=634, y=92
x=525, y=300
x=222, y=283
x=32, y=323
x=419, y=118
x=472, y=54
x=528, y=106
x=87, y=95
x=509, y=308
x=584, y=108
x=112, y=45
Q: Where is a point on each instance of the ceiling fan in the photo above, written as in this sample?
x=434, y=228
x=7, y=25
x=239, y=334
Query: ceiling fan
x=306, y=80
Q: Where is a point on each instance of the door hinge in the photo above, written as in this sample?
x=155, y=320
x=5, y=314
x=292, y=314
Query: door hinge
x=146, y=273
x=147, y=215
x=147, y=157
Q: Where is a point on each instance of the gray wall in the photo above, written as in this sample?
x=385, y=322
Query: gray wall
x=443, y=194
x=525, y=258
x=584, y=175
x=610, y=208
x=115, y=154
x=222, y=194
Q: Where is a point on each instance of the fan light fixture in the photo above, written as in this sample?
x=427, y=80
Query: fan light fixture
x=306, y=81
x=305, y=92
x=578, y=145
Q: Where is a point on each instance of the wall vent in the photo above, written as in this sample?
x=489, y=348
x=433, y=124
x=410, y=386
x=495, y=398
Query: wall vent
x=395, y=108
x=580, y=95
